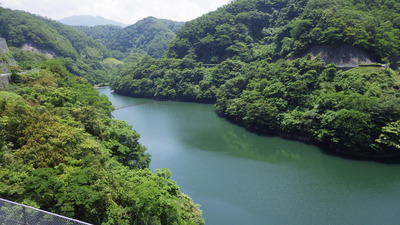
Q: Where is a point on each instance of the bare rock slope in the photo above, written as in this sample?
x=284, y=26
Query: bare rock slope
x=344, y=55
x=6, y=58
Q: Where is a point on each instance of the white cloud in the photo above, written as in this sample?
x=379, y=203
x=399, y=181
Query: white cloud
x=126, y=11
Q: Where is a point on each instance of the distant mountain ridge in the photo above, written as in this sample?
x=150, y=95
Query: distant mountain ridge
x=89, y=21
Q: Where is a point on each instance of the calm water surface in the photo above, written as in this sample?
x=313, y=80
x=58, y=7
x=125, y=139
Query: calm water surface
x=242, y=178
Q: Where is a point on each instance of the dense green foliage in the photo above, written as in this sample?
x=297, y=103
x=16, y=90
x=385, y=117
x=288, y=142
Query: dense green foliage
x=183, y=79
x=100, y=33
x=242, y=30
x=60, y=151
x=84, y=56
x=27, y=60
x=350, y=111
x=347, y=111
x=253, y=29
x=372, y=25
x=149, y=36
x=234, y=57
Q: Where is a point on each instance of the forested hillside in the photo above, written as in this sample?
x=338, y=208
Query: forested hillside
x=253, y=29
x=149, y=36
x=60, y=151
x=100, y=33
x=84, y=56
x=243, y=57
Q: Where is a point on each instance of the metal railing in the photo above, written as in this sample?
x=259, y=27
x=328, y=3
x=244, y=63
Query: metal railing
x=12, y=213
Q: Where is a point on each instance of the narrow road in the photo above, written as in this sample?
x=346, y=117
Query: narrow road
x=22, y=72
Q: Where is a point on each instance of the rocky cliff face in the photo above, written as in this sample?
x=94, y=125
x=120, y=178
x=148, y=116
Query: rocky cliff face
x=5, y=58
x=344, y=55
x=4, y=81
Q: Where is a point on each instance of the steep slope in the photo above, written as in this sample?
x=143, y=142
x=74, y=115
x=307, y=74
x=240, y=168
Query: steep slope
x=89, y=21
x=252, y=29
x=82, y=54
x=148, y=36
x=6, y=59
x=241, y=30
x=344, y=55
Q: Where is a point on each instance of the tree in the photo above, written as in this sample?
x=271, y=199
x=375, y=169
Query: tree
x=391, y=135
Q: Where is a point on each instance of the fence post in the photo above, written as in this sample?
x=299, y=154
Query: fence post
x=24, y=216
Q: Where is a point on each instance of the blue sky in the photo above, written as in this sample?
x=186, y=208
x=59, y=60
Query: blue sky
x=125, y=11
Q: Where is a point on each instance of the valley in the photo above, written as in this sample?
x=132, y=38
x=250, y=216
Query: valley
x=286, y=111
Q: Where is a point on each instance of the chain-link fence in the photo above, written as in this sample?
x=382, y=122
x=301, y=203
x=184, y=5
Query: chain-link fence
x=12, y=213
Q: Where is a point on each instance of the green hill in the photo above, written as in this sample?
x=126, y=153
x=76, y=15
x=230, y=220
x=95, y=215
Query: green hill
x=149, y=36
x=83, y=55
x=250, y=57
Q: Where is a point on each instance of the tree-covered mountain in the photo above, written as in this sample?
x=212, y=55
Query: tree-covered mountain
x=250, y=58
x=89, y=21
x=100, y=33
x=252, y=29
x=84, y=56
x=60, y=151
x=149, y=36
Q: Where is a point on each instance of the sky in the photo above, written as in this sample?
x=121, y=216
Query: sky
x=124, y=11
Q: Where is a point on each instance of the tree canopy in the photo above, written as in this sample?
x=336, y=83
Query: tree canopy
x=100, y=33
x=253, y=29
x=61, y=151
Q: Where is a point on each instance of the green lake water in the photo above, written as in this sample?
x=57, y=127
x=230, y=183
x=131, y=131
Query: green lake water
x=242, y=178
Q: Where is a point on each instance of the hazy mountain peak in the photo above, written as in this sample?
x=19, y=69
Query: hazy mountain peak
x=84, y=20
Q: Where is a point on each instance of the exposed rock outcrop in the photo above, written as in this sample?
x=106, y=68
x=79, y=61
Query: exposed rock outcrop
x=6, y=59
x=344, y=55
x=48, y=53
x=4, y=81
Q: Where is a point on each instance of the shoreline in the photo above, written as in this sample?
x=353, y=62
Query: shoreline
x=389, y=158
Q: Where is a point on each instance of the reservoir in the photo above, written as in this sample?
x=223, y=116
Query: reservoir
x=242, y=178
